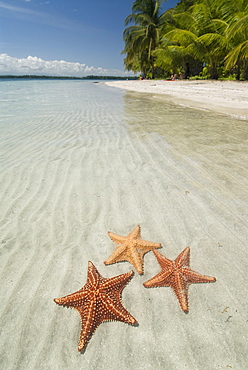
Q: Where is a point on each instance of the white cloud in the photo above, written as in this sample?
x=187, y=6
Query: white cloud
x=17, y=9
x=37, y=66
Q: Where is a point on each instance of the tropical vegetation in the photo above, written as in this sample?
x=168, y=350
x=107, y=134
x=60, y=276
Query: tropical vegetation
x=201, y=38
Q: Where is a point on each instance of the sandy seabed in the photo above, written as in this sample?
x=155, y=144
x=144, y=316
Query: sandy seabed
x=69, y=177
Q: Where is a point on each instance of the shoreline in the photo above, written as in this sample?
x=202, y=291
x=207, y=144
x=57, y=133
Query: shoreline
x=226, y=97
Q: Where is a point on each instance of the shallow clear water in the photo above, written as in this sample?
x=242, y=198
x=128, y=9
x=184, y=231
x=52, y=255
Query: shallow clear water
x=25, y=103
x=78, y=159
x=35, y=100
x=52, y=112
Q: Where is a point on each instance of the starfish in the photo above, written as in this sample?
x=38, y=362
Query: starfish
x=97, y=301
x=178, y=275
x=130, y=248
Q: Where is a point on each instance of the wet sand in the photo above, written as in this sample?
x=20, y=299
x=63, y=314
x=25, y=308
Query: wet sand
x=229, y=97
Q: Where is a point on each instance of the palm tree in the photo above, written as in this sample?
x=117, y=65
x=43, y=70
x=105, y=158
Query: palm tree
x=211, y=31
x=236, y=14
x=142, y=37
x=194, y=34
x=239, y=54
x=173, y=54
x=195, y=31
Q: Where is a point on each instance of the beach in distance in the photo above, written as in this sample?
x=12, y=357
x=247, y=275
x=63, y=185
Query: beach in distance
x=230, y=97
x=79, y=159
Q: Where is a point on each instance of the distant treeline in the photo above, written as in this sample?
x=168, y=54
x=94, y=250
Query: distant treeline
x=70, y=78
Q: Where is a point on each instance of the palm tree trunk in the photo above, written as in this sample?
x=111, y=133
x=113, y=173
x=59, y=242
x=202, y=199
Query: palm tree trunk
x=213, y=71
x=245, y=71
x=238, y=72
x=152, y=65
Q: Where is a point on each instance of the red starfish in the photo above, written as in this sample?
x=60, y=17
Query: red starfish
x=178, y=275
x=97, y=301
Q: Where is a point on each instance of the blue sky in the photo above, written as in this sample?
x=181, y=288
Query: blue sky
x=73, y=37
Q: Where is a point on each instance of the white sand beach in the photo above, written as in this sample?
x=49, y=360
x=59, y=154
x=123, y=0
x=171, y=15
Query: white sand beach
x=229, y=97
x=79, y=159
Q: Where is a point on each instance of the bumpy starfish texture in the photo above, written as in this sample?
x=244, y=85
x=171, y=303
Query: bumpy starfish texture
x=130, y=248
x=97, y=301
x=178, y=275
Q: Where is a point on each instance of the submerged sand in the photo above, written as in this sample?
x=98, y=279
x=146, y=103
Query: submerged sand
x=70, y=175
x=229, y=97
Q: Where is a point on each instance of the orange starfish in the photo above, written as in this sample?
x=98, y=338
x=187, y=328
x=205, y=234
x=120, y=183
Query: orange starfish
x=97, y=301
x=130, y=248
x=178, y=275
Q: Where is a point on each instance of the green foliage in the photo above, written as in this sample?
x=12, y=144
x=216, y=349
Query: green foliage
x=142, y=37
x=196, y=32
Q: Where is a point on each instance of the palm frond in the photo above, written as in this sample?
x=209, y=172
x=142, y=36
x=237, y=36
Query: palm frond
x=212, y=40
x=239, y=53
x=184, y=20
x=182, y=37
x=240, y=26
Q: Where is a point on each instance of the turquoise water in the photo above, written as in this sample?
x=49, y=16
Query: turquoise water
x=34, y=100
x=47, y=112
x=29, y=101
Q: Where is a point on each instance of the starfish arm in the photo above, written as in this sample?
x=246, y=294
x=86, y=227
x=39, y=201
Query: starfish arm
x=180, y=288
x=195, y=277
x=90, y=321
x=135, y=259
x=116, y=283
x=175, y=281
x=147, y=246
x=164, y=262
x=114, y=310
x=125, y=253
x=117, y=256
x=117, y=239
x=161, y=279
x=93, y=277
x=135, y=233
x=183, y=259
x=73, y=299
